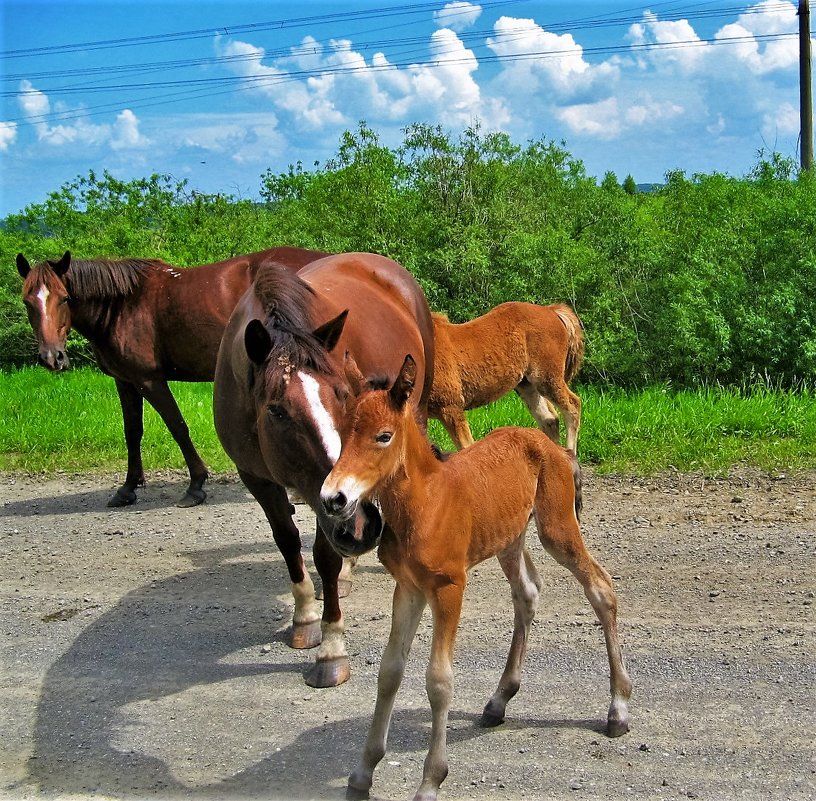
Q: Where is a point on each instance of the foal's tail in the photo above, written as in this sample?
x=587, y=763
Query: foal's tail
x=575, y=348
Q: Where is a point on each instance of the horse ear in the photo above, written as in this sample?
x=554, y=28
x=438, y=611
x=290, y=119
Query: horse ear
x=328, y=333
x=23, y=267
x=257, y=341
x=355, y=378
x=404, y=385
x=61, y=267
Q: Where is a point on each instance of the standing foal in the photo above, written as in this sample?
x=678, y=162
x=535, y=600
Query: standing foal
x=444, y=517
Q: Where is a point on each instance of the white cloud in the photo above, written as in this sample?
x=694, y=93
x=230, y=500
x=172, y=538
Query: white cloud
x=781, y=121
x=126, y=135
x=457, y=16
x=534, y=59
x=679, y=46
x=768, y=18
x=612, y=118
x=36, y=108
x=341, y=87
x=8, y=134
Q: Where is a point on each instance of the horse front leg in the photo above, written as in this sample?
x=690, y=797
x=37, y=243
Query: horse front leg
x=133, y=418
x=446, y=604
x=525, y=586
x=406, y=612
x=158, y=395
x=331, y=666
x=274, y=501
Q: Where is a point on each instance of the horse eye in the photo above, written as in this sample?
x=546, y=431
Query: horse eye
x=64, y=300
x=384, y=437
x=276, y=412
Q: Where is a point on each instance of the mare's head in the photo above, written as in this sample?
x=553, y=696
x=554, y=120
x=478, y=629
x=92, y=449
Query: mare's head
x=375, y=445
x=46, y=301
x=300, y=394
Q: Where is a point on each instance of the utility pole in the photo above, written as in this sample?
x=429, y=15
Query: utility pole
x=805, y=86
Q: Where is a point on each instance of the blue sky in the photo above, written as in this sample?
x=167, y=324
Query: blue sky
x=217, y=93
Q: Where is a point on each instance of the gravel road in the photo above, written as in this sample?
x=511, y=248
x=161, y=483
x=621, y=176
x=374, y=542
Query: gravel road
x=142, y=652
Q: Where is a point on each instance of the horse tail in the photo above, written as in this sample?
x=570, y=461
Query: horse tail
x=575, y=346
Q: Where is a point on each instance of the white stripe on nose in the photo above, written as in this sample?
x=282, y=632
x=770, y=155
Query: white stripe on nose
x=42, y=297
x=322, y=419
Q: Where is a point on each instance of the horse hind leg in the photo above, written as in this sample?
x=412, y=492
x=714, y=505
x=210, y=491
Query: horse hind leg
x=563, y=541
x=541, y=409
x=456, y=424
x=525, y=585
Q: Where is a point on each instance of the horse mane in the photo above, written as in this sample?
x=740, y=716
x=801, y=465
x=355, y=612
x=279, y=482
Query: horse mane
x=107, y=278
x=286, y=301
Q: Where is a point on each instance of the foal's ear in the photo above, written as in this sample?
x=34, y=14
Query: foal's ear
x=23, y=267
x=257, y=341
x=61, y=267
x=404, y=385
x=355, y=378
x=328, y=333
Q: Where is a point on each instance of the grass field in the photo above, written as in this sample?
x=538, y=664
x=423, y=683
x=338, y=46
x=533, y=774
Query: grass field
x=72, y=422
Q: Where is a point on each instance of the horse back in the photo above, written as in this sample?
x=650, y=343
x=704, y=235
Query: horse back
x=388, y=316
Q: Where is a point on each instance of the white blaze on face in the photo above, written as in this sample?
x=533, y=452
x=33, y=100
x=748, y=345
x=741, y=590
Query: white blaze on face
x=322, y=419
x=42, y=298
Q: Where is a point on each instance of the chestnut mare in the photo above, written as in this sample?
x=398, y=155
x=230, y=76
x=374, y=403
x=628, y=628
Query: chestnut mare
x=280, y=406
x=446, y=516
x=536, y=350
x=148, y=323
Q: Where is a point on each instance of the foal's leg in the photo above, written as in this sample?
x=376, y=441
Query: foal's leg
x=446, y=604
x=133, y=418
x=456, y=425
x=525, y=585
x=541, y=409
x=569, y=404
x=563, y=541
x=158, y=395
x=275, y=504
x=405, y=616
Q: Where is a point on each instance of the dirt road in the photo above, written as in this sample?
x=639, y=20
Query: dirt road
x=142, y=653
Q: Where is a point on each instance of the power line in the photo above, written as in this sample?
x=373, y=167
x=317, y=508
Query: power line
x=213, y=86
x=246, y=83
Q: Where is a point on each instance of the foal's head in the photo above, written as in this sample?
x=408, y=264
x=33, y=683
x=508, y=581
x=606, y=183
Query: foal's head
x=374, y=447
x=46, y=301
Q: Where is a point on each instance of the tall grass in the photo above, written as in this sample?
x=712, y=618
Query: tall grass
x=73, y=422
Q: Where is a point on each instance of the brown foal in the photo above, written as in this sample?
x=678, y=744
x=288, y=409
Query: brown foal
x=442, y=517
x=534, y=350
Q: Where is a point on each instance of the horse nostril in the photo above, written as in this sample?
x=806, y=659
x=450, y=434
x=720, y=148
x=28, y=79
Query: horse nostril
x=60, y=357
x=335, y=503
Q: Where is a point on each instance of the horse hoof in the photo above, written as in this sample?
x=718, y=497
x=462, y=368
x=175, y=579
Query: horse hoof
x=329, y=672
x=191, y=498
x=122, y=497
x=343, y=588
x=492, y=715
x=616, y=727
x=356, y=794
x=305, y=635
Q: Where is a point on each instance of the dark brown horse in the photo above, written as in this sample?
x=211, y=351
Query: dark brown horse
x=279, y=402
x=446, y=516
x=535, y=350
x=148, y=323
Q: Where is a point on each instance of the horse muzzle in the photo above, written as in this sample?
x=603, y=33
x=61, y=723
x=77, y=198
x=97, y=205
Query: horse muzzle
x=352, y=529
x=54, y=360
